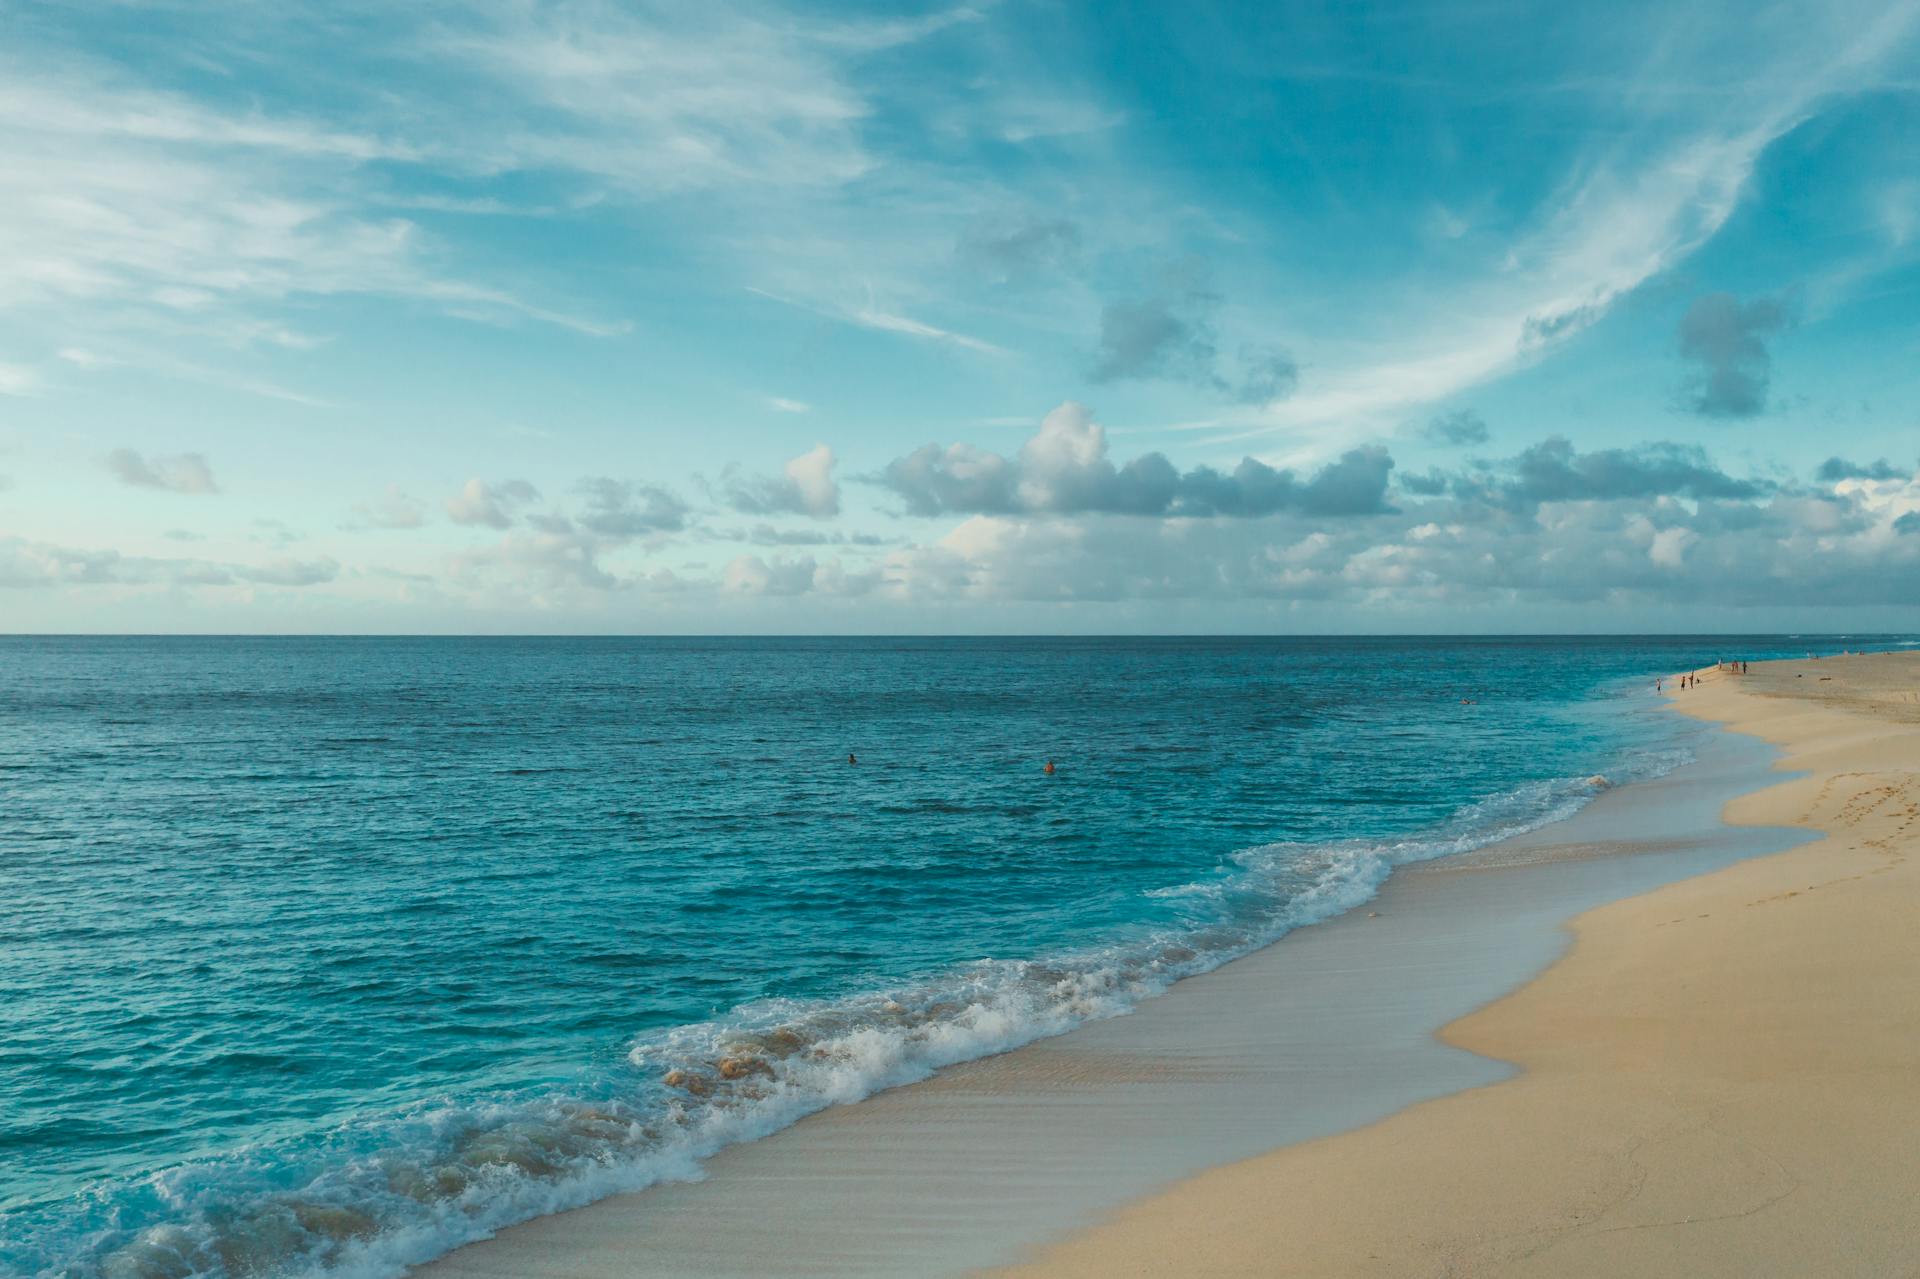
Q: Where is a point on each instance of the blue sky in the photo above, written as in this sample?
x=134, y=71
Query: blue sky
x=1003, y=317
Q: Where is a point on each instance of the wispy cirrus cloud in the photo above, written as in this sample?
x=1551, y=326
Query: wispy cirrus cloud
x=868, y=315
x=716, y=96
x=137, y=201
x=141, y=220
x=1663, y=185
x=115, y=190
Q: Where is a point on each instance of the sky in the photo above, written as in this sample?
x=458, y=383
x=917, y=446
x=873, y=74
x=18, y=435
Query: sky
x=511, y=317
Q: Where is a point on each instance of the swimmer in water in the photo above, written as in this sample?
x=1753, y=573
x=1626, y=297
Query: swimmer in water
x=1049, y=768
x=851, y=759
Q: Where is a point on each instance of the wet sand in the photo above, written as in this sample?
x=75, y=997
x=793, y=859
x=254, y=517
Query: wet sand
x=1721, y=1079
x=1328, y=1030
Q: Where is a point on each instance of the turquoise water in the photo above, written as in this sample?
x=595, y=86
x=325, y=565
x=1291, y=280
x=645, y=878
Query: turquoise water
x=325, y=955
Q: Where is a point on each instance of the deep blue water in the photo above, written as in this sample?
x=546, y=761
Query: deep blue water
x=327, y=954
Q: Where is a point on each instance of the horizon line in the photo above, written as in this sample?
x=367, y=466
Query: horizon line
x=953, y=635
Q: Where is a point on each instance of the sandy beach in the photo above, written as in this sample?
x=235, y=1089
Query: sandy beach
x=1721, y=1078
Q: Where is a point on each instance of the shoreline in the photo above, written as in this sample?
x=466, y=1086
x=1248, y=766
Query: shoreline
x=1721, y=1077
x=1327, y=1030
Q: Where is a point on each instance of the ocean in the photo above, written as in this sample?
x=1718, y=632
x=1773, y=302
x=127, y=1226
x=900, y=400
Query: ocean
x=325, y=955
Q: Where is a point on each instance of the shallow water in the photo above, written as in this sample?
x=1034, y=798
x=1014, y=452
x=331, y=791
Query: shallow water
x=329, y=954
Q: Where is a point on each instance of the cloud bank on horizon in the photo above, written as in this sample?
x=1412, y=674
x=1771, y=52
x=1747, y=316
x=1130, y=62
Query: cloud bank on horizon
x=623, y=317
